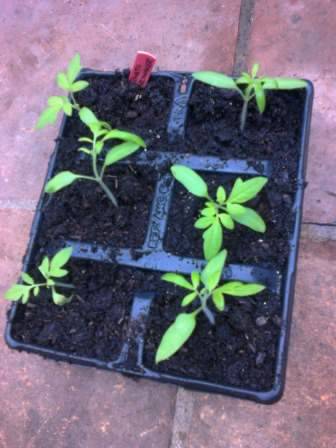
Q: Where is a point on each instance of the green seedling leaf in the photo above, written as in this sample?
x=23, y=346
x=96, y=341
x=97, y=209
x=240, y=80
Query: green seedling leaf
x=61, y=180
x=215, y=79
x=204, y=222
x=175, y=336
x=235, y=209
x=105, y=125
x=178, y=280
x=195, y=279
x=85, y=139
x=96, y=129
x=221, y=195
x=189, y=298
x=74, y=68
x=85, y=150
x=25, y=295
x=48, y=116
x=227, y=221
x=243, y=191
x=58, y=273
x=18, y=292
x=44, y=267
x=99, y=146
x=209, y=211
x=243, y=79
x=190, y=180
x=67, y=108
x=61, y=258
x=62, y=81
x=212, y=240
x=27, y=278
x=212, y=272
x=255, y=70
x=218, y=300
x=36, y=291
x=78, y=86
x=87, y=116
x=126, y=136
x=120, y=152
x=240, y=289
x=260, y=97
x=55, y=102
x=59, y=299
x=247, y=76
x=284, y=83
x=251, y=219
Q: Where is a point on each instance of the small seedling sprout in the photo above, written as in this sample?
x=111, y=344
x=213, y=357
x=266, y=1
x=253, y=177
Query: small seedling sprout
x=51, y=271
x=202, y=287
x=101, y=133
x=249, y=86
x=67, y=82
x=223, y=211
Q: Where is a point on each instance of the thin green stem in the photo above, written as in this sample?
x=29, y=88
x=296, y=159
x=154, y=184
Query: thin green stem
x=75, y=105
x=197, y=311
x=98, y=176
x=102, y=172
x=38, y=285
x=64, y=285
x=241, y=93
x=108, y=192
x=87, y=177
x=94, y=161
x=243, y=115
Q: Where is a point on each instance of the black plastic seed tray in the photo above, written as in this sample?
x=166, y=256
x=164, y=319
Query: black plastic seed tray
x=153, y=257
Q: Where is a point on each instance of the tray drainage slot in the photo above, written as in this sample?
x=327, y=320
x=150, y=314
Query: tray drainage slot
x=132, y=350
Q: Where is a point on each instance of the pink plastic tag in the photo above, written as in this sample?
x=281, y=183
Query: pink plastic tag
x=142, y=68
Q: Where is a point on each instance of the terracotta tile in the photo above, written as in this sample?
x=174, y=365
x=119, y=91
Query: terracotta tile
x=296, y=38
x=14, y=231
x=45, y=403
x=107, y=34
x=306, y=415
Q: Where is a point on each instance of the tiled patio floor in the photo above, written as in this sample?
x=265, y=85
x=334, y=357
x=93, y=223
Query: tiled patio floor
x=48, y=404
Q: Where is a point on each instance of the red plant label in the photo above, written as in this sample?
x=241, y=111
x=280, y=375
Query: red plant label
x=142, y=68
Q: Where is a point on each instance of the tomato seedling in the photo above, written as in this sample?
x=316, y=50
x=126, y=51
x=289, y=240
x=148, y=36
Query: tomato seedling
x=202, y=287
x=67, y=82
x=51, y=271
x=223, y=211
x=249, y=86
x=101, y=133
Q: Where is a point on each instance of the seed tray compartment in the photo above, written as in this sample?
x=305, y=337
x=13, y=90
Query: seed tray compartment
x=152, y=257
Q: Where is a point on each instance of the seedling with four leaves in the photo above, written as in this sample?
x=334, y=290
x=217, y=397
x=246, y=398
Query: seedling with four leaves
x=223, y=211
x=249, y=86
x=203, y=287
x=67, y=82
x=51, y=271
x=101, y=134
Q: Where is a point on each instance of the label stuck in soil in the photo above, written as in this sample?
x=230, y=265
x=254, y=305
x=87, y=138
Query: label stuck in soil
x=142, y=68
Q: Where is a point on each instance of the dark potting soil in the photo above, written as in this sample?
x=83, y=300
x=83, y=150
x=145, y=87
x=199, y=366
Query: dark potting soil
x=213, y=129
x=83, y=212
x=243, y=244
x=239, y=350
x=213, y=126
x=124, y=106
x=94, y=323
